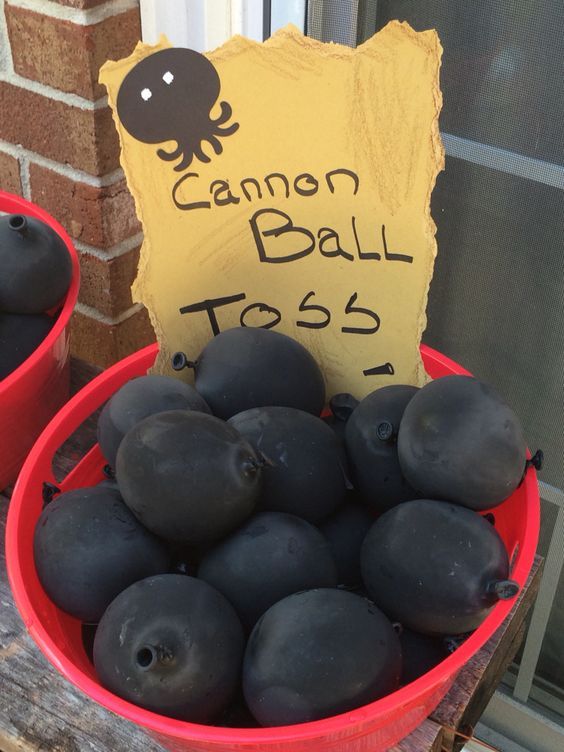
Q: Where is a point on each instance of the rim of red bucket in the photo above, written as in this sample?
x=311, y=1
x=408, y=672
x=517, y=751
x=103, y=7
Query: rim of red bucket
x=16, y=205
x=442, y=673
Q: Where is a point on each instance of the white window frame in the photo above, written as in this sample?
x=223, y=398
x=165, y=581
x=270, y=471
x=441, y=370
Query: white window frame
x=203, y=25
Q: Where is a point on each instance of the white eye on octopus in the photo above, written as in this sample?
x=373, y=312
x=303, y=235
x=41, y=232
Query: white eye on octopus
x=169, y=96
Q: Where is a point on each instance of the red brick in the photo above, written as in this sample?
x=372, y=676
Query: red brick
x=101, y=217
x=85, y=139
x=106, y=285
x=103, y=344
x=65, y=55
x=10, y=174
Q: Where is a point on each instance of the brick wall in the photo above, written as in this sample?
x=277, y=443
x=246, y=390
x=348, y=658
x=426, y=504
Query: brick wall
x=59, y=149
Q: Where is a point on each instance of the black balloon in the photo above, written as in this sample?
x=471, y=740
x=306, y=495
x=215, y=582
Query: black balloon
x=36, y=265
x=435, y=567
x=420, y=654
x=251, y=367
x=237, y=715
x=341, y=407
x=20, y=335
x=319, y=653
x=185, y=559
x=108, y=483
x=345, y=531
x=271, y=556
x=371, y=441
x=88, y=633
x=188, y=477
x=460, y=442
x=171, y=644
x=304, y=472
x=88, y=547
x=139, y=398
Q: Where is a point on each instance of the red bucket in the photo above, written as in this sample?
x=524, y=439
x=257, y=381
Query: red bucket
x=31, y=395
x=374, y=727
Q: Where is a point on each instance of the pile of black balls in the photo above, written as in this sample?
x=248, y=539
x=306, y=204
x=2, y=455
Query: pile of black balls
x=255, y=563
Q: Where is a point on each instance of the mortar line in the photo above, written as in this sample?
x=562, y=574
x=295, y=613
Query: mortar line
x=94, y=313
x=79, y=176
x=78, y=16
x=49, y=92
x=120, y=249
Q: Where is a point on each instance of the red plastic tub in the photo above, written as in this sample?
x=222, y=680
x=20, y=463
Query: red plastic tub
x=31, y=395
x=372, y=728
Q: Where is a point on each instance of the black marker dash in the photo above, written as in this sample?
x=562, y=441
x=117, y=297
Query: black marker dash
x=386, y=369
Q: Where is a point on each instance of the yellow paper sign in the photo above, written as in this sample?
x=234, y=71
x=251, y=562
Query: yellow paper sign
x=287, y=184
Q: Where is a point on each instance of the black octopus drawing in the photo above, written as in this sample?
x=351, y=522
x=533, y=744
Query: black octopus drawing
x=168, y=96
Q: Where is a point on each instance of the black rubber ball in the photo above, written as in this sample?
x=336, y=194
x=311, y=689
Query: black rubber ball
x=139, y=398
x=435, y=567
x=187, y=476
x=88, y=547
x=250, y=367
x=36, y=265
x=20, y=336
x=171, y=644
x=305, y=470
x=271, y=556
x=345, y=531
x=460, y=442
x=341, y=407
x=87, y=633
x=237, y=715
x=420, y=654
x=371, y=441
x=317, y=654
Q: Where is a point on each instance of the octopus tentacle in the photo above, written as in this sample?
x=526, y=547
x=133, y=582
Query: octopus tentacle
x=225, y=114
x=199, y=154
x=170, y=156
x=216, y=143
x=226, y=131
x=186, y=160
